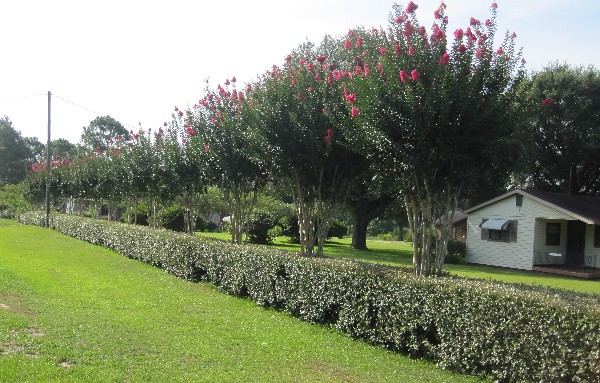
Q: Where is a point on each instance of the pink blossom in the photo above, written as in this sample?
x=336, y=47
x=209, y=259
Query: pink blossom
x=474, y=22
x=288, y=58
x=347, y=44
x=233, y=79
x=241, y=96
x=206, y=148
x=513, y=35
x=318, y=77
x=357, y=70
x=321, y=59
x=411, y=51
x=351, y=98
x=403, y=76
x=494, y=5
x=190, y=131
x=380, y=68
x=326, y=139
x=415, y=75
x=310, y=89
x=359, y=41
x=329, y=79
x=411, y=7
x=397, y=49
x=445, y=58
x=437, y=14
x=354, y=112
x=367, y=71
x=499, y=51
x=462, y=48
x=351, y=32
x=547, y=101
x=330, y=132
x=399, y=19
x=488, y=23
x=382, y=51
x=438, y=35
x=479, y=53
x=294, y=81
x=248, y=87
x=458, y=34
x=227, y=82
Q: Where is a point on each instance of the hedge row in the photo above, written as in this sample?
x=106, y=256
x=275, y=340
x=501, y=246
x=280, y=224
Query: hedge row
x=510, y=333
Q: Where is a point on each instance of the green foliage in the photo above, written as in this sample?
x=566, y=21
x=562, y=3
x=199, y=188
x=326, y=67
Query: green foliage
x=14, y=154
x=337, y=229
x=211, y=226
x=173, y=219
x=261, y=226
x=560, y=128
x=511, y=333
x=102, y=132
x=12, y=202
x=457, y=252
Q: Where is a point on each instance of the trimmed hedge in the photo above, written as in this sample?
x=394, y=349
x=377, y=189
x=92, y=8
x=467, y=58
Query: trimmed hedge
x=511, y=333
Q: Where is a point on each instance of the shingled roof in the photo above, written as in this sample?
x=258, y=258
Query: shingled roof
x=586, y=209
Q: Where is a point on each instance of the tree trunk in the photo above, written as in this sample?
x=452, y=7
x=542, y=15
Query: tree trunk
x=363, y=212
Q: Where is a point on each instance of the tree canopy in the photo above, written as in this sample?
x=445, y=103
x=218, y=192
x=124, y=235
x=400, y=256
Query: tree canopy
x=15, y=154
x=102, y=132
x=561, y=130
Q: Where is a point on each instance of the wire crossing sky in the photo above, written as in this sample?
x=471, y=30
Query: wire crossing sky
x=136, y=61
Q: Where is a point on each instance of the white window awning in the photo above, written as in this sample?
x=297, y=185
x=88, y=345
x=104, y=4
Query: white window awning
x=495, y=224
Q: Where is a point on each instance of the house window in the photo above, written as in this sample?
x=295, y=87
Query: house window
x=596, y=235
x=553, y=234
x=499, y=235
x=519, y=201
x=497, y=229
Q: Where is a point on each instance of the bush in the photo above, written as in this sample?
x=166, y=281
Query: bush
x=173, y=219
x=261, y=227
x=211, y=226
x=407, y=236
x=457, y=252
x=291, y=229
x=512, y=333
x=338, y=230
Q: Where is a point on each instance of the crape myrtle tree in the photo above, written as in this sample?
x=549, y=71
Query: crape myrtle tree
x=561, y=129
x=438, y=112
x=297, y=104
x=222, y=126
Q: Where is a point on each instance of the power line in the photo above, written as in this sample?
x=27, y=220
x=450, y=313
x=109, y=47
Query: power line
x=87, y=109
x=20, y=97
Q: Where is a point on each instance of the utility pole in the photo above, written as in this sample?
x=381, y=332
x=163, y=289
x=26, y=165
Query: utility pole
x=48, y=167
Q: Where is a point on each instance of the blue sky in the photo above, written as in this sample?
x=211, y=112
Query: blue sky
x=137, y=60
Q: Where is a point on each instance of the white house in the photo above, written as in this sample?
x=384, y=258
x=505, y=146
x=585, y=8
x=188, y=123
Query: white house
x=529, y=230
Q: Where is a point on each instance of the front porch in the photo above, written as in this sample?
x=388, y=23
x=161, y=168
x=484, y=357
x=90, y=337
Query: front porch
x=557, y=263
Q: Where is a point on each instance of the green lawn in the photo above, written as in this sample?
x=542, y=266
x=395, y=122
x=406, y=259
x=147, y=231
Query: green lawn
x=74, y=312
x=400, y=254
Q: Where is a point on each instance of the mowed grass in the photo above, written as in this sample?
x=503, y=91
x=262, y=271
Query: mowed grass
x=397, y=253
x=74, y=312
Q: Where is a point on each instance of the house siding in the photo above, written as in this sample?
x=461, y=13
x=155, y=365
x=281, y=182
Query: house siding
x=517, y=254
